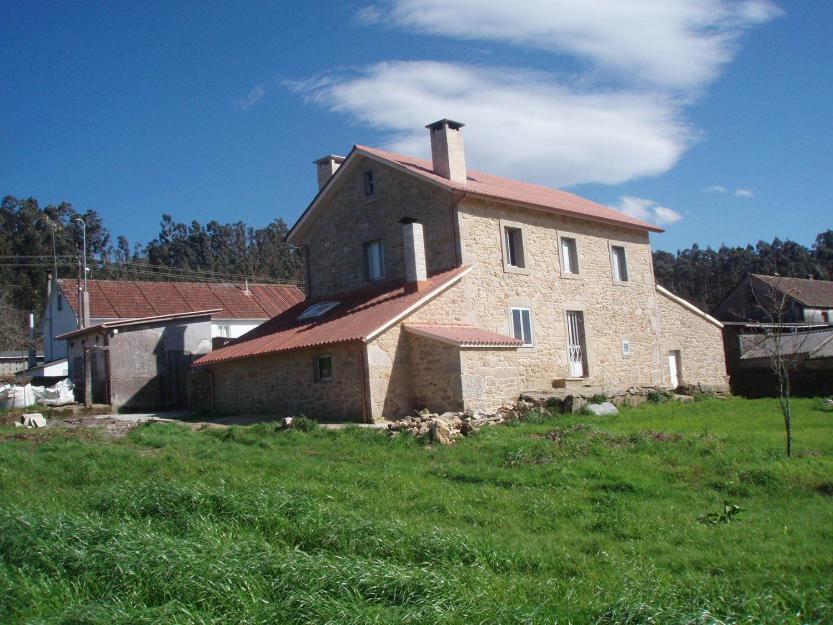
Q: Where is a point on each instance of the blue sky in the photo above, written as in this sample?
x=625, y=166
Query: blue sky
x=711, y=117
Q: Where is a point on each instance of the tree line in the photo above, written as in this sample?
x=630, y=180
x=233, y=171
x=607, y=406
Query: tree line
x=33, y=237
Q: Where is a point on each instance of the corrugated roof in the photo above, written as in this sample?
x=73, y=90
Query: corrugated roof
x=515, y=191
x=463, y=335
x=813, y=344
x=359, y=316
x=129, y=299
x=123, y=323
x=812, y=293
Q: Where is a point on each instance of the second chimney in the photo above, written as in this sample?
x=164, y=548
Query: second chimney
x=413, y=246
x=327, y=166
x=447, y=154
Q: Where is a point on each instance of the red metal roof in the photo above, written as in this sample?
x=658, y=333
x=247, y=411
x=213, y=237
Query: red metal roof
x=515, y=191
x=123, y=323
x=359, y=316
x=463, y=335
x=129, y=299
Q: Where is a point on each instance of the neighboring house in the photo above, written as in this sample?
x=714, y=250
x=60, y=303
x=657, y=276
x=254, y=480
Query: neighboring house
x=435, y=286
x=757, y=297
x=798, y=308
x=14, y=362
x=139, y=364
x=241, y=307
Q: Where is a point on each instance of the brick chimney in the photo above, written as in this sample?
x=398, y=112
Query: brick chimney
x=413, y=247
x=326, y=167
x=447, y=154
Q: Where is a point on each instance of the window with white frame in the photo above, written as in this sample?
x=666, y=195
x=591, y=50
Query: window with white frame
x=522, y=325
x=369, y=184
x=323, y=368
x=619, y=262
x=514, y=243
x=374, y=260
x=569, y=256
x=224, y=331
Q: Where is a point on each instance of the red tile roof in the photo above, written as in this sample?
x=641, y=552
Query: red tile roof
x=463, y=335
x=359, y=316
x=123, y=323
x=129, y=299
x=515, y=191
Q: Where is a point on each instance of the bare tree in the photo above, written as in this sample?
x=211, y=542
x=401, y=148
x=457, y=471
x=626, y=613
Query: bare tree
x=781, y=342
x=14, y=333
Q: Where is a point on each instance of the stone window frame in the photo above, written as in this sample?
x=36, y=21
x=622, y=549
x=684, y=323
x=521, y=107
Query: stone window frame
x=513, y=307
x=616, y=282
x=368, y=185
x=365, y=265
x=503, y=224
x=567, y=234
x=588, y=349
x=316, y=369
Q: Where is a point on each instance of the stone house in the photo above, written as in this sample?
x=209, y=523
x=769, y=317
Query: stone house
x=432, y=285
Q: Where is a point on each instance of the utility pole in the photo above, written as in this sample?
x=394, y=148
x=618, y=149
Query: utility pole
x=85, y=295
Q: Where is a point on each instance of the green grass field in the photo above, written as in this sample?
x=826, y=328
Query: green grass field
x=575, y=519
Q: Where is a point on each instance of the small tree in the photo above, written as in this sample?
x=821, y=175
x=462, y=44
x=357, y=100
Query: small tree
x=780, y=342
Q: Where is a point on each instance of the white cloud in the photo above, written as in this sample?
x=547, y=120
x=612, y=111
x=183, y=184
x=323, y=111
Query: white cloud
x=744, y=193
x=520, y=124
x=247, y=101
x=715, y=188
x=647, y=210
x=678, y=44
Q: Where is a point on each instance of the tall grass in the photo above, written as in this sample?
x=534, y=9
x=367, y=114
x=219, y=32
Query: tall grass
x=569, y=520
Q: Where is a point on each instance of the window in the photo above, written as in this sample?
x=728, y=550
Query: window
x=626, y=349
x=825, y=316
x=522, y=325
x=514, y=247
x=60, y=302
x=569, y=256
x=316, y=310
x=369, y=184
x=374, y=260
x=224, y=331
x=620, y=263
x=323, y=368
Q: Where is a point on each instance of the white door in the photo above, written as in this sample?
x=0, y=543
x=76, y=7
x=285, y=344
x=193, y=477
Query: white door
x=673, y=360
x=575, y=342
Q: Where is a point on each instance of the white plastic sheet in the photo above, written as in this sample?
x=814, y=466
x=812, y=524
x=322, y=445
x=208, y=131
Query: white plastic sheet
x=16, y=396
x=20, y=396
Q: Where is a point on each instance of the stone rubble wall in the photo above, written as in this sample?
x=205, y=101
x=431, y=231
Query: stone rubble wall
x=349, y=219
x=699, y=341
x=284, y=384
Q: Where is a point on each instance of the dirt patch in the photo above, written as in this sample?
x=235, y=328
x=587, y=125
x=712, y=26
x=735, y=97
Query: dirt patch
x=663, y=437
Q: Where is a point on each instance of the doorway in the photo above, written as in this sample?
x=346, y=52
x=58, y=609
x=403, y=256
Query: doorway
x=675, y=367
x=576, y=345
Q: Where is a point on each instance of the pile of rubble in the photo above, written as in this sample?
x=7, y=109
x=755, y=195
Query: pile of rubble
x=31, y=420
x=447, y=427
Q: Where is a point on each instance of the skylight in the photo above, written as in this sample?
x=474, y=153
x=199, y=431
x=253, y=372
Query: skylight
x=316, y=310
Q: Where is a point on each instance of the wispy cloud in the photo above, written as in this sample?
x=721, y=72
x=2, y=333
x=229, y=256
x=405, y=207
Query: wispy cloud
x=719, y=188
x=255, y=95
x=520, y=123
x=647, y=210
x=681, y=44
x=621, y=117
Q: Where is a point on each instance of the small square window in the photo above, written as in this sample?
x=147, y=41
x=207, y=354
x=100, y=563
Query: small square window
x=620, y=263
x=514, y=247
x=369, y=184
x=323, y=368
x=522, y=325
x=374, y=260
x=224, y=331
x=569, y=256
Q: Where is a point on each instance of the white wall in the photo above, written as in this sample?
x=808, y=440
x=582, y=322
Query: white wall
x=54, y=323
x=237, y=327
x=816, y=315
